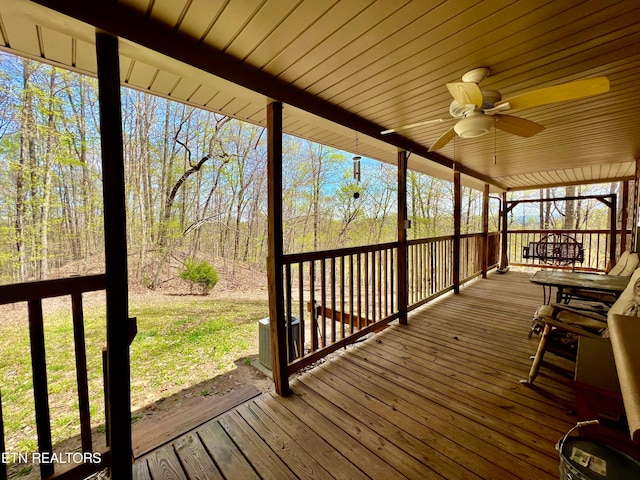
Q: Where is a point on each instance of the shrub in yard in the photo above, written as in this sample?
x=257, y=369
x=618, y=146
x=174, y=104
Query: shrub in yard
x=200, y=273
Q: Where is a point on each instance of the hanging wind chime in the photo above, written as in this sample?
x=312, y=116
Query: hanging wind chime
x=356, y=169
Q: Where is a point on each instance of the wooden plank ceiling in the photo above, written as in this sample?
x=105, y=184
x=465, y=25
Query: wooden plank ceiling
x=367, y=65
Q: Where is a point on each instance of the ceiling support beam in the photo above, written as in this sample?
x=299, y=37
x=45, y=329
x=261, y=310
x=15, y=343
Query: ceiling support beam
x=568, y=184
x=131, y=25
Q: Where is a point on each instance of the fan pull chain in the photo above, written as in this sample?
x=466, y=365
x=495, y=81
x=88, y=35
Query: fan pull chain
x=495, y=156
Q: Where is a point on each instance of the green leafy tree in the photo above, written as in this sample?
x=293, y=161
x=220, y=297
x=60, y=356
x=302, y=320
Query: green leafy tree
x=200, y=273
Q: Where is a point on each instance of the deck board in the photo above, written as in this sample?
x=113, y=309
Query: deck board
x=147, y=435
x=438, y=398
x=225, y=453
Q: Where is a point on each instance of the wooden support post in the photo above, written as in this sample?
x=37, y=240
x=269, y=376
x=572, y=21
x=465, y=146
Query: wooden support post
x=485, y=231
x=457, y=220
x=634, y=222
x=403, y=225
x=279, y=361
x=504, y=258
x=115, y=239
x=612, y=231
x=624, y=216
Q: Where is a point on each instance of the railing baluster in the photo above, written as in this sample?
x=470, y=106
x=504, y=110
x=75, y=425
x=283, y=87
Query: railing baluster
x=40, y=390
x=342, y=312
x=366, y=285
x=81, y=371
x=333, y=299
x=423, y=274
x=323, y=299
x=288, y=313
x=312, y=299
x=379, y=284
x=302, y=310
x=351, y=299
x=373, y=286
x=359, y=289
x=393, y=280
x=383, y=254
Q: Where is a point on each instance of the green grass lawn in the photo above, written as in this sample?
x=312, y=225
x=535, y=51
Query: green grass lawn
x=181, y=342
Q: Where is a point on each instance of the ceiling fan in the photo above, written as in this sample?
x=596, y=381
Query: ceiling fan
x=479, y=110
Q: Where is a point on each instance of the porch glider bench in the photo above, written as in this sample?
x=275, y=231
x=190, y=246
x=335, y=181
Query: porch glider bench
x=555, y=252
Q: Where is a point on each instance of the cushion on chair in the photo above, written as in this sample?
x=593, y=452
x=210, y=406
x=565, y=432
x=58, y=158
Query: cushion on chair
x=630, y=266
x=620, y=264
x=578, y=320
x=626, y=299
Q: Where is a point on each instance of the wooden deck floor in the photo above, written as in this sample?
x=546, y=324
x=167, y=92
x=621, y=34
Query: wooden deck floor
x=438, y=398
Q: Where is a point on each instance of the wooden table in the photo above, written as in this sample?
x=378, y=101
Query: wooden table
x=587, y=281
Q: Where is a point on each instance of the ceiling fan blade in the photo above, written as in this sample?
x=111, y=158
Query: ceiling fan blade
x=413, y=125
x=559, y=93
x=517, y=126
x=466, y=93
x=445, y=138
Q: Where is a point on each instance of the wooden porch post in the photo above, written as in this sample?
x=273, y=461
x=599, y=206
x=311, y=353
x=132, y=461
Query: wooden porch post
x=279, y=361
x=625, y=216
x=612, y=230
x=634, y=237
x=403, y=293
x=485, y=231
x=117, y=298
x=457, y=214
x=504, y=258
x=634, y=217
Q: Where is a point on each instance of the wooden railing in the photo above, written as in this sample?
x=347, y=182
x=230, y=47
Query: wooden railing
x=595, y=244
x=334, y=297
x=337, y=296
x=471, y=254
x=430, y=262
x=430, y=268
x=33, y=293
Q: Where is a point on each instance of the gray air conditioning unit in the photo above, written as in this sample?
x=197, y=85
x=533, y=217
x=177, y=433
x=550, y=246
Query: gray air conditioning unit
x=264, y=339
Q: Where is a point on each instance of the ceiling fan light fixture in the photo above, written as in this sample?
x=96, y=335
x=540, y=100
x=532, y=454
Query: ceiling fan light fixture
x=474, y=126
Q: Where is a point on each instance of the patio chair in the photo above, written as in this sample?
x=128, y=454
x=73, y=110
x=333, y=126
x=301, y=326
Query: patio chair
x=563, y=321
x=624, y=267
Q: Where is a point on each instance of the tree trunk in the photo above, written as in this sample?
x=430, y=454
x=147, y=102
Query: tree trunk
x=46, y=187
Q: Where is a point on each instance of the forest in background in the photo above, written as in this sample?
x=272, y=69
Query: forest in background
x=196, y=182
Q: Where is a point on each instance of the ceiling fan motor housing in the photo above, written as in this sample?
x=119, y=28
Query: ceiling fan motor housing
x=474, y=125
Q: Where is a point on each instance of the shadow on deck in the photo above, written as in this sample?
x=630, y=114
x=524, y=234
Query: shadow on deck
x=439, y=398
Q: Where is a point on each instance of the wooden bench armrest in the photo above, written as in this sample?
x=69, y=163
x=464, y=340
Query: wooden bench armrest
x=571, y=328
x=625, y=332
x=601, y=316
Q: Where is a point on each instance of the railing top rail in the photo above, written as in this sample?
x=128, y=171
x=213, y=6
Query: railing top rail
x=417, y=241
x=24, y=292
x=340, y=252
x=556, y=230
